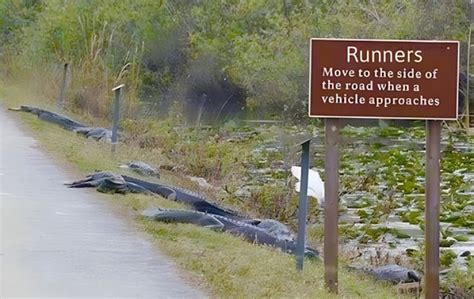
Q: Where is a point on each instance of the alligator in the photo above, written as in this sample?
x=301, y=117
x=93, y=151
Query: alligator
x=130, y=184
x=391, y=273
x=141, y=168
x=394, y=274
x=108, y=182
x=97, y=133
x=62, y=121
x=248, y=232
x=196, y=201
x=273, y=227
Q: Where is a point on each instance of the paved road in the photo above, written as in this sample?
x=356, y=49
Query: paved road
x=59, y=242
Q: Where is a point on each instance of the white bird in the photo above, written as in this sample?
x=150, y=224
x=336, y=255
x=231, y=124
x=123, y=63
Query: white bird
x=315, y=184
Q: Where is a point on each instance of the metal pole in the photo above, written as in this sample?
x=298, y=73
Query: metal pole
x=303, y=206
x=118, y=96
x=432, y=201
x=62, y=91
x=331, y=204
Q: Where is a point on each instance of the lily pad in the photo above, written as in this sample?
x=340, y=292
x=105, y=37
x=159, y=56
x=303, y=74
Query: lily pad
x=461, y=238
x=447, y=242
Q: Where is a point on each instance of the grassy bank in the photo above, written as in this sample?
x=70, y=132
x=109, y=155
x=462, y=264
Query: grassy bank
x=223, y=265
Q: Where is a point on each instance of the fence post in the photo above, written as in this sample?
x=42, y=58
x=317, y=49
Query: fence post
x=118, y=90
x=62, y=92
x=303, y=206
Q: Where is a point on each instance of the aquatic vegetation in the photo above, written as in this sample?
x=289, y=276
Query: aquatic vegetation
x=460, y=282
x=447, y=257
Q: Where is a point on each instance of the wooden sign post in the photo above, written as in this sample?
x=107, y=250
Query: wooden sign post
x=331, y=204
x=432, y=202
x=384, y=79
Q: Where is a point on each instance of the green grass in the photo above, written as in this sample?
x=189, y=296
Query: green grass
x=222, y=265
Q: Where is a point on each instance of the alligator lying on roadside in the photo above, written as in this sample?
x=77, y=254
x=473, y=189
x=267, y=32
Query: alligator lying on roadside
x=62, y=121
x=194, y=200
x=96, y=133
x=251, y=233
x=392, y=273
x=262, y=236
x=108, y=182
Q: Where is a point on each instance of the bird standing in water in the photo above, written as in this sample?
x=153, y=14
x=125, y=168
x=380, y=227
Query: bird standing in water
x=315, y=184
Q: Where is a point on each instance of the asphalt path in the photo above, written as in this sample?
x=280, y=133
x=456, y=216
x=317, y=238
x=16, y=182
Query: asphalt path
x=69, y=243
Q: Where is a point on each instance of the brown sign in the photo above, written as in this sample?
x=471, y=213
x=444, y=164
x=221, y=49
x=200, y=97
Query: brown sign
x=384, y=79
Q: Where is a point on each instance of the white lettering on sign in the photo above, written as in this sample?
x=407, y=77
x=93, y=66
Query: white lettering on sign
x=331, y=72
x=382, y=56
x=343, y=99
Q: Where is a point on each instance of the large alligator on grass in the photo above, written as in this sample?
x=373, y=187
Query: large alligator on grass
x=130, y=184
x=96, y=133
x=391, y=273
x=394, y=274
x=266, y=236
x=61, y=120
x=251, y=233
x=108, y=182
x=196, y=201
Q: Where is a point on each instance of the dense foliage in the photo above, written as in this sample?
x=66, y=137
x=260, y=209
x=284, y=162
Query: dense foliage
x=209, y=59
